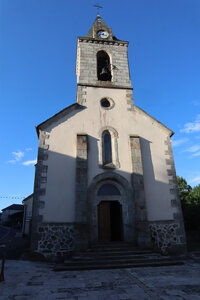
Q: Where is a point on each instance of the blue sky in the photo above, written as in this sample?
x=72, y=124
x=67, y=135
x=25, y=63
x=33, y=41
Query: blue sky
x=37, y=74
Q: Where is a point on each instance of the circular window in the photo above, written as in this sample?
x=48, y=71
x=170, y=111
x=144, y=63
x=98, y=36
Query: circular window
x=107, y=103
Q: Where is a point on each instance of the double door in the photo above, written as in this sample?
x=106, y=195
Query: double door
x=110, y=221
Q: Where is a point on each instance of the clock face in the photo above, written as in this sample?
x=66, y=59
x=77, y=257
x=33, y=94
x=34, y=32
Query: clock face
x=103, y=34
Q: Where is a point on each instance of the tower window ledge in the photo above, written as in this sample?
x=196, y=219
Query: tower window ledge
x=105, y=83
x=109, y=166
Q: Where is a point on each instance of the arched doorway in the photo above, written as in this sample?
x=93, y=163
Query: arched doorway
x=112, y=191
x=110, y=226
x=110, y=221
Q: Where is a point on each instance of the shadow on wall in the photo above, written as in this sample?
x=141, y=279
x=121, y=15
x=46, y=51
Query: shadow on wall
x=70, y=184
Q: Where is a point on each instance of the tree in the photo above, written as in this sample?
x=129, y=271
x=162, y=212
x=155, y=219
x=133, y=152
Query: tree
x=194, y=195
x=190, y=201
x=184, y=191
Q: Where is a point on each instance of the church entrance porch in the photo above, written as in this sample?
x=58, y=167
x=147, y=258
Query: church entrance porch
x=112, y=209
x=110, y=226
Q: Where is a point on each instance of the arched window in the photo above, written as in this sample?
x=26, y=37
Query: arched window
x=107, y=148
x=103, y=66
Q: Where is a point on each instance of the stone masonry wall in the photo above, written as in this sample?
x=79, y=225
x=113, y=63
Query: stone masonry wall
x=166, y=237
x=81, y=208
x=56, y=240
x=87, y=63
x=175, y=200
x=139, y=194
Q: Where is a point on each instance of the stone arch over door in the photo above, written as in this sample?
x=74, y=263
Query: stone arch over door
x=126, y=199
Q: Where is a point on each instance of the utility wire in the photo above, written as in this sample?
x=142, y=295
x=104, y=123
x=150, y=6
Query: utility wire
x=11, y=197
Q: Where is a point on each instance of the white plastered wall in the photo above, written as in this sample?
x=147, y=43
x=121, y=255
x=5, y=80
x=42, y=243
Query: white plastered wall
x=60, y=187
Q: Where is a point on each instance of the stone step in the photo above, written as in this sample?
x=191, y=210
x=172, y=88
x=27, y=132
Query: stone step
x=112, y=244
x=107, y=256
x=117, y=253
x=116, y=266
x=112, y=256
x=119, y=250
x=117, y=260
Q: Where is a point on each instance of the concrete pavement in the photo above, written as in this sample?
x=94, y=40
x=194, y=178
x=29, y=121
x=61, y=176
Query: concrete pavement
x=34, y=280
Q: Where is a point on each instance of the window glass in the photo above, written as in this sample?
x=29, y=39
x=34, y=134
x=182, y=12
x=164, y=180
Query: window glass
x=107, y=148
x=108, y=189
x=105, y=102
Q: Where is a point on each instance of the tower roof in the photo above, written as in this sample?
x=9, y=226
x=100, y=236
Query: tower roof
x=99, y=25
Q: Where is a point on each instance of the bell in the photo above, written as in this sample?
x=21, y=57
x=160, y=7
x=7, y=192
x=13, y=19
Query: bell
x=104, y=75
x=104, y=71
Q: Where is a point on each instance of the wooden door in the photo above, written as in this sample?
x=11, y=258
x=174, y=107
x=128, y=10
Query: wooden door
x=104, y=228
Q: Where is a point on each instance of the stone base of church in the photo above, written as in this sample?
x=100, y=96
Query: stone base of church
x=168, y=237
x=59, y=241
x=56, y=240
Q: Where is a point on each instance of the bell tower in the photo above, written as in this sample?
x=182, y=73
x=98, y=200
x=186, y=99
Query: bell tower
x=101, y=61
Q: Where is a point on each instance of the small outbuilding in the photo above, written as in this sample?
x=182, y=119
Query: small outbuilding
x=28, y=203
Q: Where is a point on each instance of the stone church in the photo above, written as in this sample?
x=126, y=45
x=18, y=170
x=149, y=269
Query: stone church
x=105, y=169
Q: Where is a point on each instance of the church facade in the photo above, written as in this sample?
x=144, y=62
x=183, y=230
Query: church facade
x=105, y=169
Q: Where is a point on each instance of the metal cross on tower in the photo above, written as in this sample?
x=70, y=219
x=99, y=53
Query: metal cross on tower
x=97, y=7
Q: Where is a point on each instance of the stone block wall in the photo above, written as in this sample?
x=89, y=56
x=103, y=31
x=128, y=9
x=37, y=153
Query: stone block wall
x=86, y=68
x=174, y=199
x=56, y=240
x=167, y=237
x=143, y=237
x=81, y=207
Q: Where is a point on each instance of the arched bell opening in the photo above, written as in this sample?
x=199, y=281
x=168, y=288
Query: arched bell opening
x=103, y=66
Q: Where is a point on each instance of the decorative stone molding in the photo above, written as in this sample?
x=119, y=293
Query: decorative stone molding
x=95, y=41
x=167, y=237
x=56, y=240
x=106, y=85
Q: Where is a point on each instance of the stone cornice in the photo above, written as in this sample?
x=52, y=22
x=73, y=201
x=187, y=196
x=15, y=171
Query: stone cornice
x=104, y=42
x=106, y=86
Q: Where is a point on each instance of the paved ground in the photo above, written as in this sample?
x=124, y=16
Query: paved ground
x=33, y=280
x=12, y=244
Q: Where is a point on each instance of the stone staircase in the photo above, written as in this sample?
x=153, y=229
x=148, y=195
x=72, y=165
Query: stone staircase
x=115, y=255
